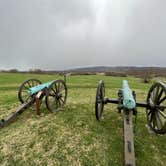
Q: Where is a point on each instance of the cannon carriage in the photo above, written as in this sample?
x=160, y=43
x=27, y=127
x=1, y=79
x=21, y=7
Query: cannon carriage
x=155, y=111
x=32, y=91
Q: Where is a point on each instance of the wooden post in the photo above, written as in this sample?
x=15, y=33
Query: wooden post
x=129, y=153
x=38, y=102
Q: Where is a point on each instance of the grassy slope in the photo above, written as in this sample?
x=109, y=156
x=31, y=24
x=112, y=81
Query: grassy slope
x=73, y=136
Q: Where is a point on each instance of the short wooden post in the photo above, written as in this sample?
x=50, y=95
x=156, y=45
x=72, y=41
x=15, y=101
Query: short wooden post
x=38, y=102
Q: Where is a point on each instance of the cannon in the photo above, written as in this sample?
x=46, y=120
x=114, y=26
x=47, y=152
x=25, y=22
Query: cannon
x=32, y=91
x=155, y=111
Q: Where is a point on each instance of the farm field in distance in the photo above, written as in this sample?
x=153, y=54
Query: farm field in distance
x=73, y=137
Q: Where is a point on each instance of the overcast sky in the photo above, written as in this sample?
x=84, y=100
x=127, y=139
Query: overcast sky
x=63, y=34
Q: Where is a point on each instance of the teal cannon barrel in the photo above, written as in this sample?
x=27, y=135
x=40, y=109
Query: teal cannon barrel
x=128, y=99
x=38, y=88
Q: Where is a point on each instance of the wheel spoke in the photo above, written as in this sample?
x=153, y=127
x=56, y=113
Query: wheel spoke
x=158, y=117
x=61, y=88
x=156, y=94
x=157, y=124
x=151, y=101
x=26, y=87
x=52, y=89
x=52, y=94
x=59, y=84
x=150, y=112
x=160, y=107
x=60, y=104
x=55, y=86
x=162, y=114
x=27, y=98
x=29, y=84
x=32, y=83
x=25, y=91
x=162, y=100
x=61, y=100
x=61, y=91
x=160, y=94
x=153, y=94
x=154, y=120
x=151, y=117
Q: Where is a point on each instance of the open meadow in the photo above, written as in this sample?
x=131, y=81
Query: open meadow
x=73, y=137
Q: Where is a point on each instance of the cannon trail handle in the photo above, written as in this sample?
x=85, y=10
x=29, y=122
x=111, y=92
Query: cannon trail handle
x=129, y=153
x=12, y=116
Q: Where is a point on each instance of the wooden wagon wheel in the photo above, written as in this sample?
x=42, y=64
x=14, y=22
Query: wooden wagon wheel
x=23, y=94
x=156, y=112
x=99, y=103
x=56, y=95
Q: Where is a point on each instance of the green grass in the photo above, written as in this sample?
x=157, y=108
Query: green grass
x=73, y=136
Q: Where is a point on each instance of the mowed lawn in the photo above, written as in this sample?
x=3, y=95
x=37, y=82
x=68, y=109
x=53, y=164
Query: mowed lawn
x=73, y=137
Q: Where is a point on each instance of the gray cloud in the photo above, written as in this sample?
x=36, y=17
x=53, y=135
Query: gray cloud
x=52, y=34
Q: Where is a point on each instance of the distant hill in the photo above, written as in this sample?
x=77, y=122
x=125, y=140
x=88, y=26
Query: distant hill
x=128, y=70
x=115, y=69
x=108, y=70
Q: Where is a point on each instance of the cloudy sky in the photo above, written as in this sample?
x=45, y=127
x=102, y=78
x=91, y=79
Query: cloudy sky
x=64, y=34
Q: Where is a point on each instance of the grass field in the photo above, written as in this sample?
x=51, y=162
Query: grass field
x=73, y=137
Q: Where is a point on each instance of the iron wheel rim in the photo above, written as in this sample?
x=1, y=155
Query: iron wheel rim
x=156, y=115
x=56, y=96
x=99, y=102
x=23, y=94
